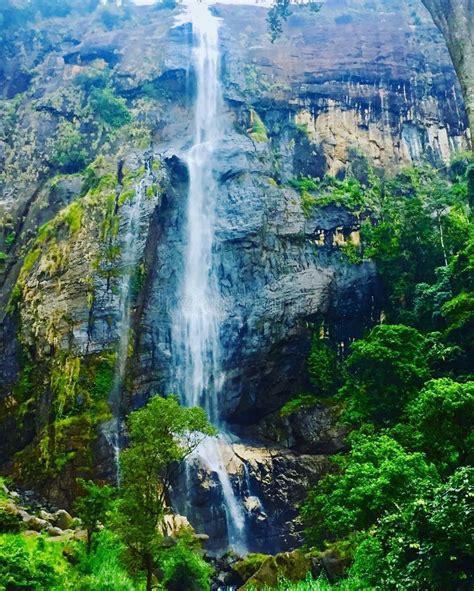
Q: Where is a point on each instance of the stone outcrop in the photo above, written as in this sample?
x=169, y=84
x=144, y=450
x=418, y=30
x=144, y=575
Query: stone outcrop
x=350, y=79
x=271, y=481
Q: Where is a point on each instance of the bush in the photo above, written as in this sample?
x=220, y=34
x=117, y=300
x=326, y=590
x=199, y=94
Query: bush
x=375, y=476
x=258, y=131
x=112, y=110
x=385, y=371
x=22, y=569
x=442, y=418
x=183, y=568
x=427, y=544
x=69, y=155
x=321, y=584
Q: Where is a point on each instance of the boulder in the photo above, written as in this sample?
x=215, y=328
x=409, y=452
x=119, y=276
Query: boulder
x=45, y=515
x=54, y=531
x=62, y=519
x=249, y=565
x=293, y=566
x=36, y=523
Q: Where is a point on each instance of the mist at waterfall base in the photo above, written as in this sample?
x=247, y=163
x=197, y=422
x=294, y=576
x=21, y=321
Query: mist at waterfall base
x=196, y=372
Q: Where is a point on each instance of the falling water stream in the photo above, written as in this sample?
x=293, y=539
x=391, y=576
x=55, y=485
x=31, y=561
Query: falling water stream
x=130, y=248
x=196, y=353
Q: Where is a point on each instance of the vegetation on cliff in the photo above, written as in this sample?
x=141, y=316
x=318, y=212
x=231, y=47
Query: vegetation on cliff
x=399, y=499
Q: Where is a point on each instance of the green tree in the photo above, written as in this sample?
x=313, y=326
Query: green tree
x=384, y=371
x=427, y=544
x=442, y=417
x=375, y=477
x=459, y=310
x=92, y=508
x=162, y=435
x=429, y=300
x=402, y=239
x=323, y=368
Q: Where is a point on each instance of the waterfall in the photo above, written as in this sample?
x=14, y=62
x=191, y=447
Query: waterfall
x=196, y=354
x=130, y=250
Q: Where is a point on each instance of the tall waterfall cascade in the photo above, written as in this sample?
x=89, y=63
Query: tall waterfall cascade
x=196, y=350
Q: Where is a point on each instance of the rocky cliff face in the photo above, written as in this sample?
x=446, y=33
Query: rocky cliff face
x=351, y=79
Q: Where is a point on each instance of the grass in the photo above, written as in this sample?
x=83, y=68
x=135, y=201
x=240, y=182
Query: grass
x=103, y=570
x=320, y=584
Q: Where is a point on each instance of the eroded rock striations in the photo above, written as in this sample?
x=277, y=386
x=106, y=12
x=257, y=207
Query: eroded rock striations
x=351, y=79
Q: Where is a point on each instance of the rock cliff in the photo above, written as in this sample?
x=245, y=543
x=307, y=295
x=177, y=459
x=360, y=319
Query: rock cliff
x=355, y=79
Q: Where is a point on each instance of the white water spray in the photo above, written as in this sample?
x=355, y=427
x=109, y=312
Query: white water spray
x=195, y=334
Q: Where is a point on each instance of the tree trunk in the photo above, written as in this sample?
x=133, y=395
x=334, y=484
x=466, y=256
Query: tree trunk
x=455, y=19
x=149, y=573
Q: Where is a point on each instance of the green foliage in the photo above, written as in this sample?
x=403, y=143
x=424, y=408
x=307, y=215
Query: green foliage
x=419, y=222
x=73, y=216
x=162, y=435
x=92, y=508
x=24, y=568
x=308, y=201
x=385, y=371
x=68, y=152
x=299, y=403
x=258, y=131
x=137, y=280
x=104, y=378
x=424, y=545
x=92, y=78
x=320, y=584
x=102, y=568
x=10, y=239
x=430, y=298
x=183, y=568
x=442, y=418
x=28, y=262
x=459, y=310
x=352, y=252
x=385, y=499
x=323, y=367
x=348, y=193
x=373, y=478
x=110, y=109
x=304, y=184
